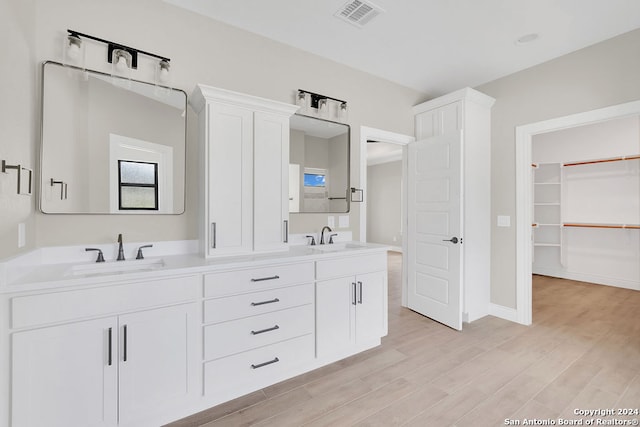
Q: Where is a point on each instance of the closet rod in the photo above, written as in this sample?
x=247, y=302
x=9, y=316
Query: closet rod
x=626, y=226
x=615, y=159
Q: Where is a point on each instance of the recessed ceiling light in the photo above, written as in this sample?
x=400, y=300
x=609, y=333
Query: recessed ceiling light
x=527, y=38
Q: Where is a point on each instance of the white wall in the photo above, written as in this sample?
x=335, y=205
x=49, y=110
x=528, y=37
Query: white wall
x=603, y=193
x=597, y=76
x=201, y=51
x=18, y=119
x=384, y=203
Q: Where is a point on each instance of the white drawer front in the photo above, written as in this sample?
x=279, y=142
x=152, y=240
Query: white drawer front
x=257, y=368
x=350, y=266
x=55, y=307
x=245, y=305
x=256, y=279
x=224, y=339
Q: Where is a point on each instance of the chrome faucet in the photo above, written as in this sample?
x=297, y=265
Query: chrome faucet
x=325, y=228
x=120, y=250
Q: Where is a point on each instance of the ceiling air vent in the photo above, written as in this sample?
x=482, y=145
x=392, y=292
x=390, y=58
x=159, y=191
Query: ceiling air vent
x=358, y=12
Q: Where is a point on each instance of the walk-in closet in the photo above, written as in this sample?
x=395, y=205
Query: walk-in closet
x=586, y=203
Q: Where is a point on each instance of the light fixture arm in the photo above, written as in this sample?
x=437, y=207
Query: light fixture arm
x=113, y=46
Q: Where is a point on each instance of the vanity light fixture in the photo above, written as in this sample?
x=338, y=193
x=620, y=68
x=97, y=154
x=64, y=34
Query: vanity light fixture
x=323, y=106
x=124, y=58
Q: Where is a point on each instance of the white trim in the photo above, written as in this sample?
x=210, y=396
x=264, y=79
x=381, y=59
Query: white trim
x=396, y=249
x=524, y=136
x=590, y=278
x=506, y=313
x=391, y=138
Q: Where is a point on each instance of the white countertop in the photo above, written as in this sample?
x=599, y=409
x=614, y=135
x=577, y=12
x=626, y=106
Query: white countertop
x=39, y=270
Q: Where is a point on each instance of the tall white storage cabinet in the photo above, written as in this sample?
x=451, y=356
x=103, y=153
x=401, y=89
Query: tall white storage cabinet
x=467, y=112
x=244, y=150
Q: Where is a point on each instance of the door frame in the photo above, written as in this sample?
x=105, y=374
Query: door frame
x=367, y=133
x=524, y=135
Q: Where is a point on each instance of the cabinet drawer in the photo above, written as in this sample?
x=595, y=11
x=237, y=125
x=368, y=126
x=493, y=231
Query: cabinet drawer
x=55, y=307
x=350, y=266
x=256, y=279
x=257, y=368
x=245, y=305
x=228, y=338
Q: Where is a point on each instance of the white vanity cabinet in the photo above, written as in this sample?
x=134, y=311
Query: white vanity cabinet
x=244, y=155
x=114, y=370
x=351, y=301
x=259, y=327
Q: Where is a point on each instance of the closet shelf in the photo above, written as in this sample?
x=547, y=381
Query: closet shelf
x=547, y=204
x=549, y=245
x=547, y=183
x=612, y=159
x=589, y=225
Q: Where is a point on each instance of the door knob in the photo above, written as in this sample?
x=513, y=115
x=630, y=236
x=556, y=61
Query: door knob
x=453, y=240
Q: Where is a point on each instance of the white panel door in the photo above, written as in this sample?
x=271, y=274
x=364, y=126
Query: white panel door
x=157, y=360
x=228, y=229
x=271, y=182
x=65, y=375
x=435, y=228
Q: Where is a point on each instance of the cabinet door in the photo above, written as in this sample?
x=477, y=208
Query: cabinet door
x=335, y=316
x=62, y=375
x=271, y=181
x=440, y=121
x=158, y=360
x=371, y=308
x=228, y=228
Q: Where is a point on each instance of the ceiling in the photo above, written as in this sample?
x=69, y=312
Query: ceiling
x=433, y=46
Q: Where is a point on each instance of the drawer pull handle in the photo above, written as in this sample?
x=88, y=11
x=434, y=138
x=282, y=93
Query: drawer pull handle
x=354, y=301
x=360, y=300
x=262, y=279
x=271, y=301
x=262, y=331
x=260, y=365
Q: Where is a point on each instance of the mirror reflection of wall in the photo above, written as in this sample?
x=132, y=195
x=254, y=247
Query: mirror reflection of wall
x=91, y=126
x=319, y=166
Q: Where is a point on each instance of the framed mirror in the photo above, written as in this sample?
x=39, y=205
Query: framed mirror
x=318, y=166
x=110, y=145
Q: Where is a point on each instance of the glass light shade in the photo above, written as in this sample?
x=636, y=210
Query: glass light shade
x=121, y=67
x=302, y=101
x=163, y=74
x=323, y=108
x=73, y=50
x=343, y=112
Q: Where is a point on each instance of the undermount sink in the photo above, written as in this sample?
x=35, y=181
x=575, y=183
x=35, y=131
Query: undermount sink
x=335, y=247
x=115, y=267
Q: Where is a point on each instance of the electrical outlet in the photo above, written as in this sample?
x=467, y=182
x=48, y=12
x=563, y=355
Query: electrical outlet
x=504, y=221
x=331, y=221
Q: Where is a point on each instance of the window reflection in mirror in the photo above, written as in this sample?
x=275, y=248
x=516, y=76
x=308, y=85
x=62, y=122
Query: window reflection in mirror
x=318, y=166
x=98, y=133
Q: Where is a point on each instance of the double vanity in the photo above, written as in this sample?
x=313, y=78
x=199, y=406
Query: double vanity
x=145, y=342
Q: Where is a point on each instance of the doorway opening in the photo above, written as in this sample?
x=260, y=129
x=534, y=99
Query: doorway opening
x=551, y=234
x=392, y=148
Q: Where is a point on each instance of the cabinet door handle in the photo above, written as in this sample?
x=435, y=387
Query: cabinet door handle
x=260, y=365
x=124, y=346
x=110, y=361
x=262, y=331
x=360, y=285
x=262, y=279
x=271, y=301
x=213, y=235
x=286, y=231
x=354, y=293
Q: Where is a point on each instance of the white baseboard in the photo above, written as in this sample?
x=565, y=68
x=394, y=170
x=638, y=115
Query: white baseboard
x=580, y=277
x=503, y=312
